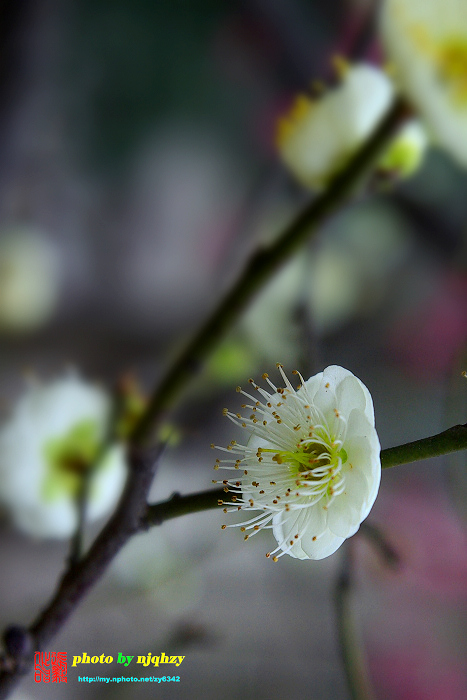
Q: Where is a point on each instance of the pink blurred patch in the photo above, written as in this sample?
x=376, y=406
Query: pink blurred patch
x=429, y=340
x=416, y=674
x=429, y=538
x=349, y=37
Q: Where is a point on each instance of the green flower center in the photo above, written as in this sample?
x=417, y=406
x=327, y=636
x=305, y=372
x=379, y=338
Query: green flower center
x=69, y=459
x=312, y=463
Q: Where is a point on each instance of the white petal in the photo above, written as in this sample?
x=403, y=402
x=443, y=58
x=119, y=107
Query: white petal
x=415, y=35
x=43, y=414
x=359, y=425
x=318, y=137
x=312, y=384
x=345, y=511
x=287, y=524
x=324, y=545
x=364, y=454
x=57, y=519
x=107, y=484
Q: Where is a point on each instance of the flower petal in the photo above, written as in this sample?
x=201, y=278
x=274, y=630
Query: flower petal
x=299, y=522
x=426, y=41
x=321, y=547
x=345, y=511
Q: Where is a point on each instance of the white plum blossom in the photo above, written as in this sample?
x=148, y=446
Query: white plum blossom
x=311, y=466
x=426, y=42
x=52, y=441
x=318, y=136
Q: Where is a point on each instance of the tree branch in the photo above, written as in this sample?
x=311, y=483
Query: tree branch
x=79, y=579
x=451, y=440
x=133, y=514
x=259, y=270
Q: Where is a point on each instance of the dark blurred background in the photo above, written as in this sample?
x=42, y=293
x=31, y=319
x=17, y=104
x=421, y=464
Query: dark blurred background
x=137, y=173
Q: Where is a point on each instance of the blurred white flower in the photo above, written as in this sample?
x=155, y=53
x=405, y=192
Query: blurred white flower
x=319, y=136
x=426, y=40
x=46, y=448
x=312, y=463
x=29, y=278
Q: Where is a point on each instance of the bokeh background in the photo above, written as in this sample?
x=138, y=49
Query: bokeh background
x=137, y=173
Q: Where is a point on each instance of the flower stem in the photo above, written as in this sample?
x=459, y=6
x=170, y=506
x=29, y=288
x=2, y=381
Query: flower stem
x=451, y=440
x=259, y=270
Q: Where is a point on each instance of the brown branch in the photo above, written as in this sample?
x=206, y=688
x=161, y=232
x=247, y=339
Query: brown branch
x=79, y=579
x=133, y=513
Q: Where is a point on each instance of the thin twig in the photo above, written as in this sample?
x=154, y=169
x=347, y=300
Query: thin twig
x=77, y=541
x=132, y=514
x=77, y=581
x=378, y=539
x=451, y=440
x=350, y=644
